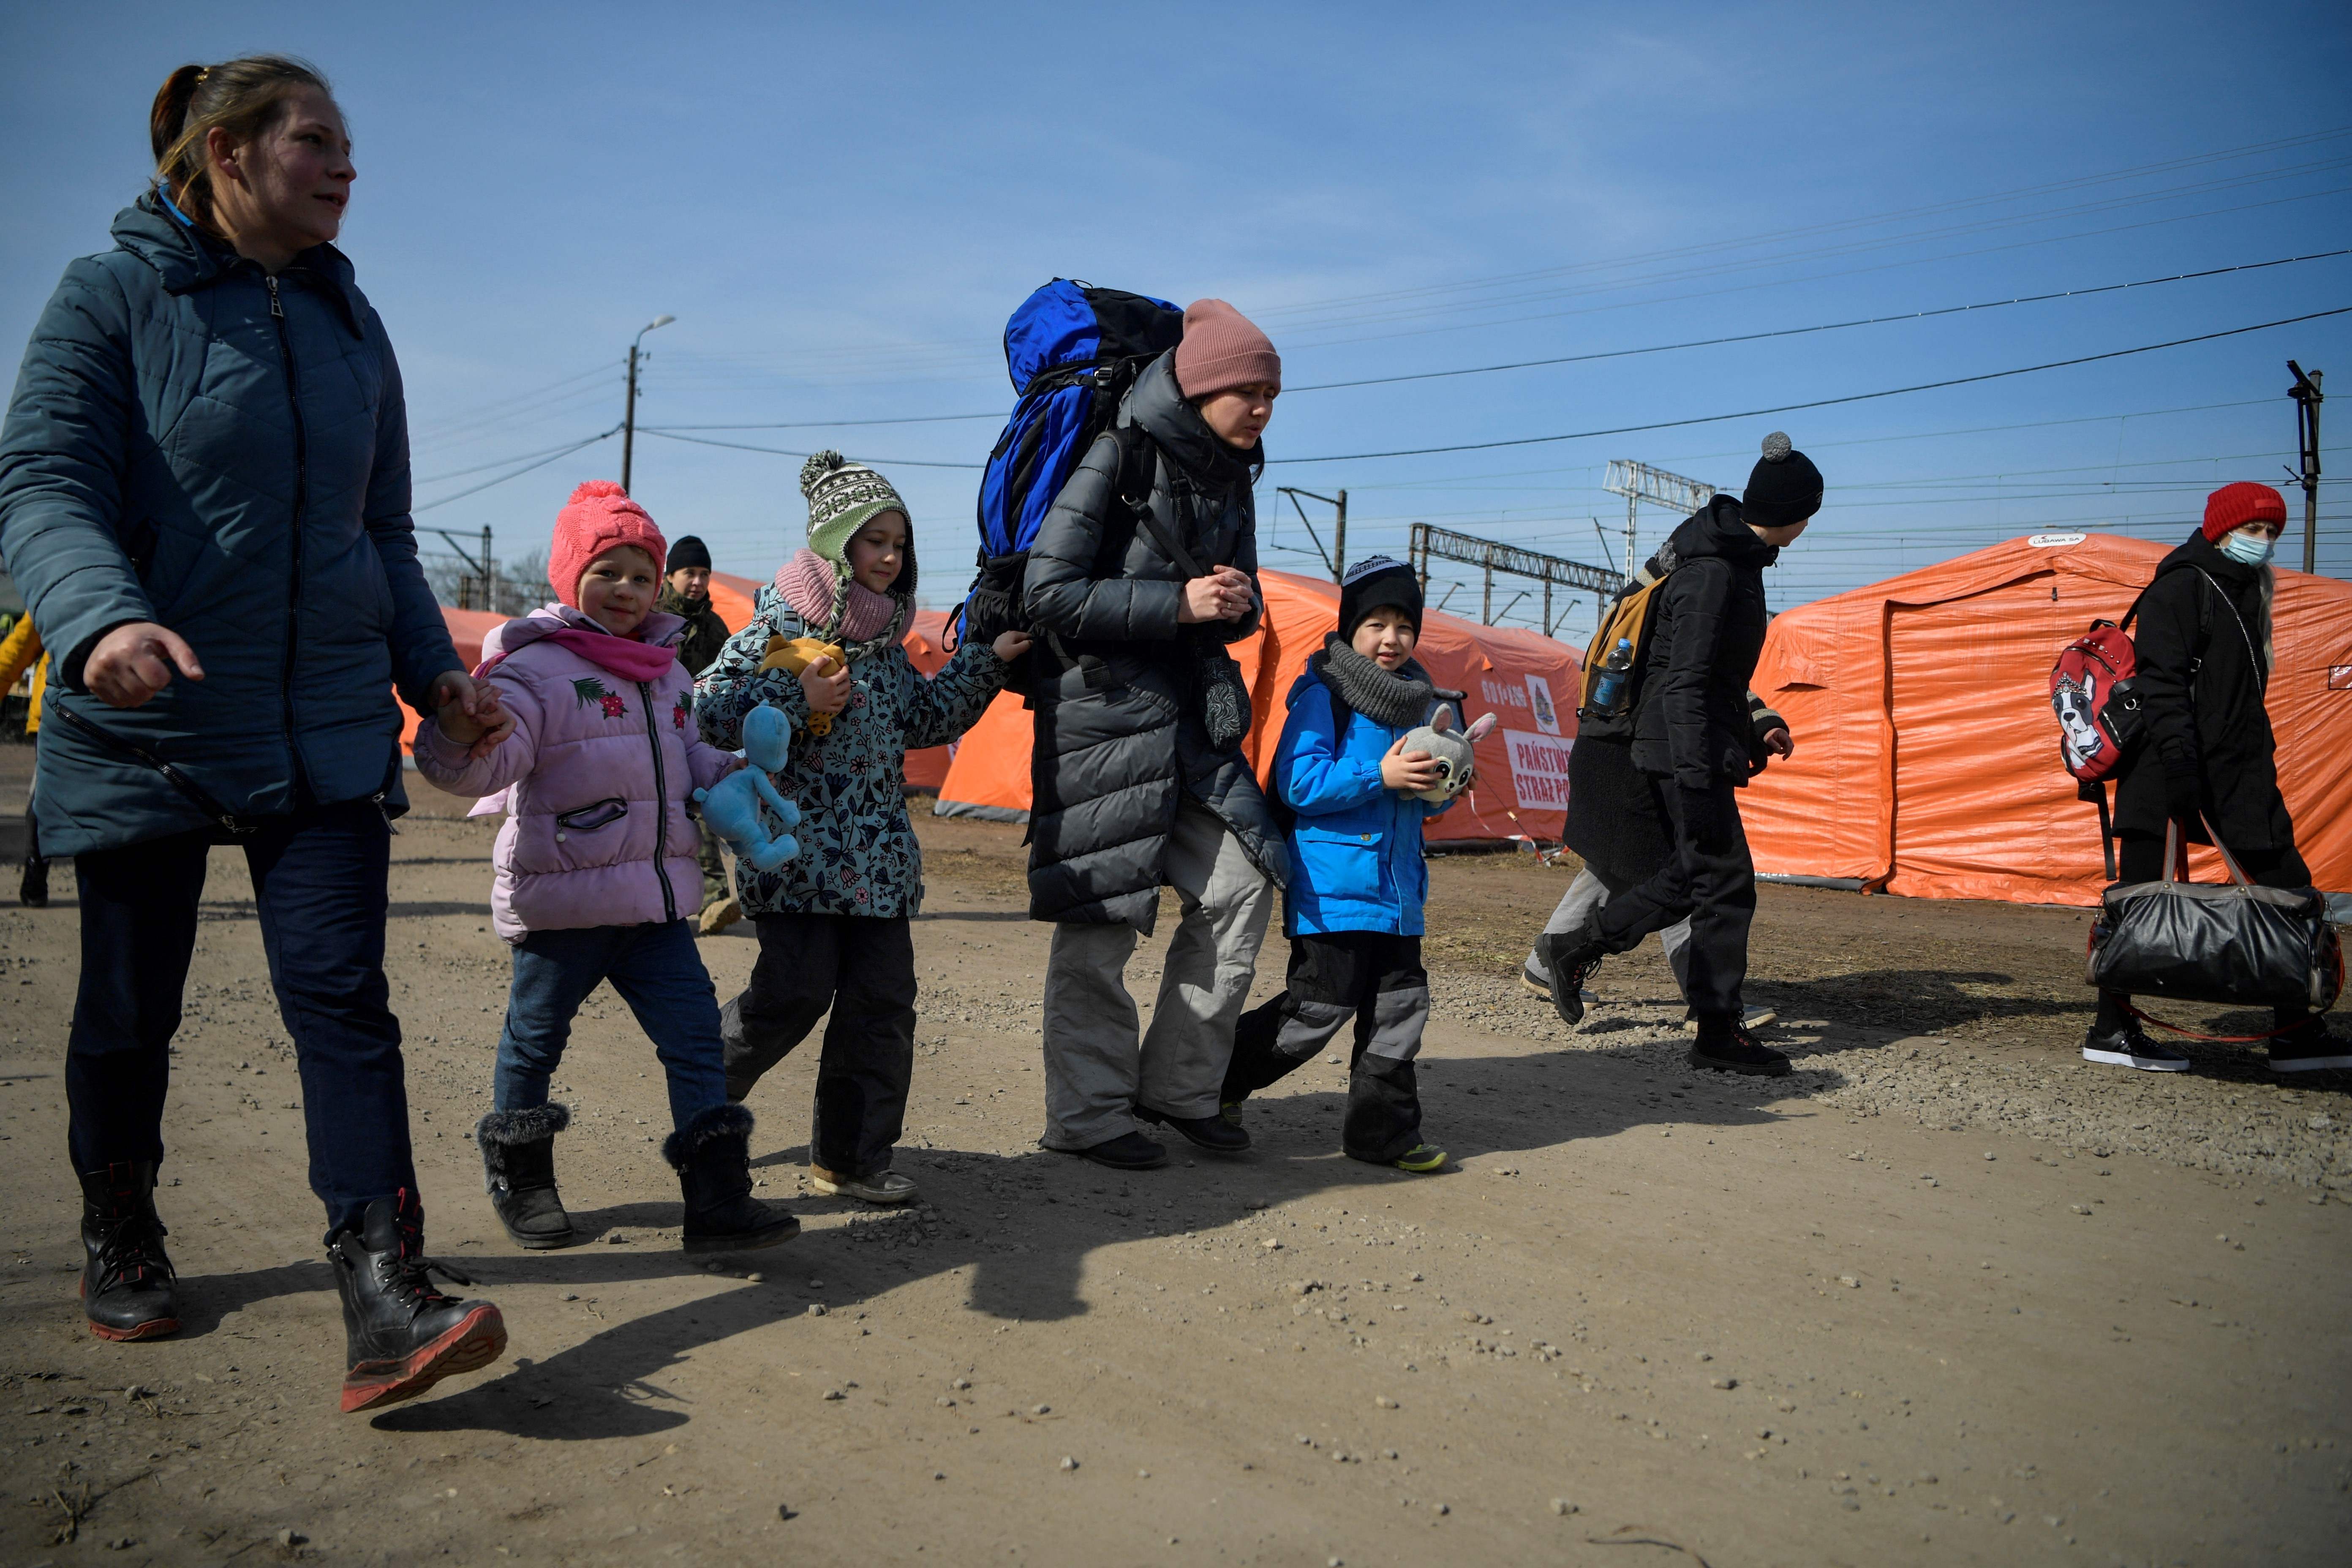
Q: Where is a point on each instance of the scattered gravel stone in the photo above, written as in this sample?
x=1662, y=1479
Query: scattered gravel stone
x=835, y=1393
x=1562, y=1507
x=1068, y=1463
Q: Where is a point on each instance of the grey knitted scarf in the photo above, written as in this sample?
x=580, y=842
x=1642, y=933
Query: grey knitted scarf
x=1393, y=697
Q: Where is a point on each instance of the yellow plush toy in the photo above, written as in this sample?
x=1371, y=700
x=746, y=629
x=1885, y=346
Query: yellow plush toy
x=797, y=656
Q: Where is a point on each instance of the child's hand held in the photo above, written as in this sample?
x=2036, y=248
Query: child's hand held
x=1011, y=646
x=1411, y=772
x=826, y=686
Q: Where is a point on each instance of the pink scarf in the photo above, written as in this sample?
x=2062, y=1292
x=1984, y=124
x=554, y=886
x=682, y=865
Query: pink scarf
x=624, y=657
x=807, y=582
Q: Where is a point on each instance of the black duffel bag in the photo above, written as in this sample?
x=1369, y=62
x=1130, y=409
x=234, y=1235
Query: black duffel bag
x=2232, y=943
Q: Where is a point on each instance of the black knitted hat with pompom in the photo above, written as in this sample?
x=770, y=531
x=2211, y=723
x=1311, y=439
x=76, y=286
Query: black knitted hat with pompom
x=1783, y=488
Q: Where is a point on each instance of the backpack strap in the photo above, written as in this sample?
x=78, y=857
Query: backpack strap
x=2261, y=676
x=1133, y=482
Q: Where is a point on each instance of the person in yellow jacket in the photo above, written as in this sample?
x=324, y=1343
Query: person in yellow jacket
x=21, y=647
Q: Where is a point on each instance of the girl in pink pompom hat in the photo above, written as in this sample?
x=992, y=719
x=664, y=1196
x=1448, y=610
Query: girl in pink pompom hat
x=596, y=870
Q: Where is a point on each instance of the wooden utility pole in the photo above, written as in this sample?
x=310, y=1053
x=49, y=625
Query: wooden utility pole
x=629, y=409
x=2308, y=399
x=629, y=421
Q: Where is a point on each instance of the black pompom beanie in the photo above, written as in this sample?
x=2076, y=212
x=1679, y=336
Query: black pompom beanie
x=1374, y=583
x=1783, y=488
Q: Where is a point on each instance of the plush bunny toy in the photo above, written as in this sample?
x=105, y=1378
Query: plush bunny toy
x=1450, y=747
x=731, y=807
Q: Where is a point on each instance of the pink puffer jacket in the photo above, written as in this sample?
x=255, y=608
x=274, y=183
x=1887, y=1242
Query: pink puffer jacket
x=596, y=775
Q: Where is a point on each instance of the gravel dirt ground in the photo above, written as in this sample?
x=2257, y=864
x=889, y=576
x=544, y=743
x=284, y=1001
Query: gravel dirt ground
x=1944, y=1294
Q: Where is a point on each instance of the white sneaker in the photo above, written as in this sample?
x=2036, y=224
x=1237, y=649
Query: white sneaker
x=889, y=1187
x=2128, y=1048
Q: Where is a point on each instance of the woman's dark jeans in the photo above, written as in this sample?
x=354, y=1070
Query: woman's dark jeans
x=319, y=885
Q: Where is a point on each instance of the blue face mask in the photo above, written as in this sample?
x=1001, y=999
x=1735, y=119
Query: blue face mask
x=2248, y=548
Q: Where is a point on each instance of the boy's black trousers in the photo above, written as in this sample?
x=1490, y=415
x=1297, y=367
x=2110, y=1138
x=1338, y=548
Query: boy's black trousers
x=1377, y=980
x=862, y=969
x=1709, y=879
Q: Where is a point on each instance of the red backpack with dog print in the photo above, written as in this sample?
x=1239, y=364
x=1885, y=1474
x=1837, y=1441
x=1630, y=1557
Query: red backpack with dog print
x=2092, y=691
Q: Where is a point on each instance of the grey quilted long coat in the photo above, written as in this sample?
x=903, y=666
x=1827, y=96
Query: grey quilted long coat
x=1120, y=741
x=195, y=443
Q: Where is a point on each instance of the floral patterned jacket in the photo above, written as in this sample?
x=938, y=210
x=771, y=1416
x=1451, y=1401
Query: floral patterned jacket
x=858, y=854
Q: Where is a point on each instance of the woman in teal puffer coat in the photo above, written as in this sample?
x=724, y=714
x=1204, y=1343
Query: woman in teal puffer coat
x=205, y=498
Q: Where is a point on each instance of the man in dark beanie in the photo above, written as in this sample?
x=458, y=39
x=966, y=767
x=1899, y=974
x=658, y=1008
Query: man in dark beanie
x=685, y=592
x=1694, y=744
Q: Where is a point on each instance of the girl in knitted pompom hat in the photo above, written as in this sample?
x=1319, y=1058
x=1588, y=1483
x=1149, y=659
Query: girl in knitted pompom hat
x=825, y=647
x=596, y=873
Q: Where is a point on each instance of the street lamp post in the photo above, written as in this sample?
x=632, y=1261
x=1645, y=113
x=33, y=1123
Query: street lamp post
x=629, y=411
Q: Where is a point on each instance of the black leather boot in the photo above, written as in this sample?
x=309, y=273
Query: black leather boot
x=519, y=1172
x=713, y=1157
x=403, y=1335
x=126, y=1280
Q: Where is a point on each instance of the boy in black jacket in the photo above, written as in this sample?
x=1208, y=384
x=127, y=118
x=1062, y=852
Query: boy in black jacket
x=1692, y=740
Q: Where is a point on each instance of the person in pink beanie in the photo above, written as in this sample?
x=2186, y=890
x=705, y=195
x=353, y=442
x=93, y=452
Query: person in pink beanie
x=597, y=872
x=1141, y=781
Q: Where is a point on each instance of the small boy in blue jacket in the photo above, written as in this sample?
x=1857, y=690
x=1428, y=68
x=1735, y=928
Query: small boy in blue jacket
x=1352, y=906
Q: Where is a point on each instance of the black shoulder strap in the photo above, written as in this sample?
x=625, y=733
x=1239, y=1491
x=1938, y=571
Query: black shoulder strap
x=1134, y=485
x=2261, y=676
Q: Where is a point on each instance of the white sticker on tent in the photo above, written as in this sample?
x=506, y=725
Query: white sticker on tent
x=2055, y=541
x=1539, y=700
x=1538, y=770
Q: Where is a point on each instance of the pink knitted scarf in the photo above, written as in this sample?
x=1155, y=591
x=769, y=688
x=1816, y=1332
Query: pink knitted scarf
x=807, y=582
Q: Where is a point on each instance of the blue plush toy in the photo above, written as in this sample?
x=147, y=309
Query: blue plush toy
x=731, y=807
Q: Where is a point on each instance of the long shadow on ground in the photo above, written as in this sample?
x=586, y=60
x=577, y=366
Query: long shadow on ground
x=1026, y=1224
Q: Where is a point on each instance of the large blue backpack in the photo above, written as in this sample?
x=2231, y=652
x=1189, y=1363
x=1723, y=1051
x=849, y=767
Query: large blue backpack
x=1072, y=350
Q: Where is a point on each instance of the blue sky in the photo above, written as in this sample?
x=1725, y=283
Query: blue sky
x=841, y=204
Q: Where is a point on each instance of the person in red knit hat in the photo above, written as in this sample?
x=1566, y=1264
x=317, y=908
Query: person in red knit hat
x=2209, y=764
x=595, y=878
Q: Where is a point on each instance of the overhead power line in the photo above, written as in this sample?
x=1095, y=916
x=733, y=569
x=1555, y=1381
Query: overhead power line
x=998, y=414
x=1820, y=327
x=781, y=452
x=1815, y=402
x=1925, y=314
x=540, y=462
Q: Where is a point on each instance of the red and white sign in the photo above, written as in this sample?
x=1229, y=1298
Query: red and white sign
x=1538, y=770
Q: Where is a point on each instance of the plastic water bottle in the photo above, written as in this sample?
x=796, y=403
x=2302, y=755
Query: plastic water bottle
x=1611, y=687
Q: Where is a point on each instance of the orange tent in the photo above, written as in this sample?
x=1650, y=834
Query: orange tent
x=1926, y=758
x=1522, y=676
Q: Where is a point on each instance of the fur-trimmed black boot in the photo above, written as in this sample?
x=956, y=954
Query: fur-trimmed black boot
x=519, y=1172
x=401, y=1335
x=713, y=1157
x=126, y=1280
